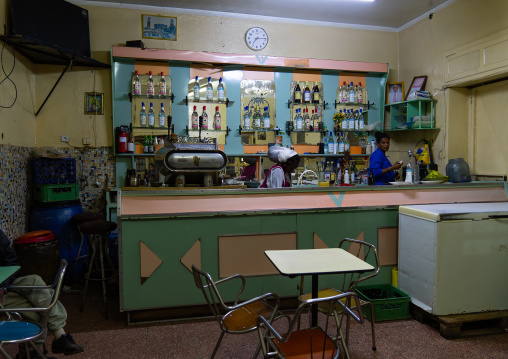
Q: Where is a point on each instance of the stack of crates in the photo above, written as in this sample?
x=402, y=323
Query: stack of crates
x=55, y=179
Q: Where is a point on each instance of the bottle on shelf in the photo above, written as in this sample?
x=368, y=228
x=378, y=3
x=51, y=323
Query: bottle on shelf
x=351, y=93
x=306, y=119
x=315, y=93
x=359, y=94
x=352, y=172
x=131, y=146
x=346, y=143
x=136, y=85
x=340, y=141
x=217, y=119
x=196, y=89
x=373, y=146
x=343, y=94
x=409, y=169
x=195, y=119
x=297, y=95
x=346, y=176
x=344, y=126
x=150, y=144
x=142, y=116
x=368, y=149
x=266, y=119
x=145, y=144
x=256, y=119
x=150, y=85
x=363, y=146
x=351, y=123
x=371, y=180
x=315, y=121
x=220, y=91
x=361, y=121
x=325, y=144
x=331, y=144
x=306, y=93
x=151, y=116
x=298, y=120
x=162, y=86
x=357, y=123
x=205, y=119
x=246, y=118
x=209, y=90
x=162, y=116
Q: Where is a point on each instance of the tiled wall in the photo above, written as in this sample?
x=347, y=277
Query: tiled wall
x=95, y=171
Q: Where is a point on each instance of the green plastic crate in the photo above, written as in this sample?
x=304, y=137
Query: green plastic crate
x=56, y=192
x=389, y=303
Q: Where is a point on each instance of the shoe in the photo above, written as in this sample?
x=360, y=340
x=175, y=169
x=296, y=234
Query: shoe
x=66, y=345
x=33, y=354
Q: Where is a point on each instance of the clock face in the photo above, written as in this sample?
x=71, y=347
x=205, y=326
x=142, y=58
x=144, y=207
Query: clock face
x=256, y=38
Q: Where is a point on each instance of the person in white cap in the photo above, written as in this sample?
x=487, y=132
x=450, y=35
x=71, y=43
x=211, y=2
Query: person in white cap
x=286, y=162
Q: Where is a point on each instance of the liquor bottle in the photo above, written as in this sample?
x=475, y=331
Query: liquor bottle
x=346, y=143
x=142, y=116
x=209, y=90
x=409, y=169
x=372, y=179
x=325, y=144
x=205, y=119
x=345, y=122
x=151, y=116
x=315, y=93
x=368, y=149
x=352, y=172
x=373, y=146
x=315, y=122
x=131, y=146
x=220, y=91
x=266, y=119
x=150, y=144
x=346, y=176
x=351, y=91
x=306, y=93
x=299, y=120
x=145, y=144
x=217, y=119
x=361, y=121
x=256, y=119
x=136, y=85
x=246, y=118
x=297, y=93
x=343, y=94
x=363, y=146
x=331, y=144
x=351, y=126
x=357, y=118
x=196, y=89
x=340, y=141
x=306, y=119
x=150, y=86
x=162, y=116
x=162, y=86
x=359, y=94
x=195, y=119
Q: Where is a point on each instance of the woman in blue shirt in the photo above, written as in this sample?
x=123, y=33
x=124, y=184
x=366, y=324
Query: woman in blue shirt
x=379, y=163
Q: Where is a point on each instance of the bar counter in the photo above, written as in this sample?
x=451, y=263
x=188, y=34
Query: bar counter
x=225, y=230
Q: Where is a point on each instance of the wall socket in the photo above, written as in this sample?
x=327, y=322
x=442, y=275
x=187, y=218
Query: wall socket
x=86, y=141
x=64, y=138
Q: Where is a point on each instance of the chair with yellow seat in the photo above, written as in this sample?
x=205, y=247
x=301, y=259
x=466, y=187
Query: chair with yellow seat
x=238, y=318
x=308, y=342
x=350, y=281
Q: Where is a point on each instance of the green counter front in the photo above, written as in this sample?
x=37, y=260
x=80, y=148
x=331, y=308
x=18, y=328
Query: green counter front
x=226, y=231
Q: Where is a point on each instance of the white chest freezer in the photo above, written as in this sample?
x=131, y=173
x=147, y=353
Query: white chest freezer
x=453, y=258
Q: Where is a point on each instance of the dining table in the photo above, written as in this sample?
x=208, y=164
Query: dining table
x=7, y=272
x=316, y=262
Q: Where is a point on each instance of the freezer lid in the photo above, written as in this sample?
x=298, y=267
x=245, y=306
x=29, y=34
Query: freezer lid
x=457, y=211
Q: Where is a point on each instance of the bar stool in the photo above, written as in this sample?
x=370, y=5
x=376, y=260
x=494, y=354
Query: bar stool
x=98, y=237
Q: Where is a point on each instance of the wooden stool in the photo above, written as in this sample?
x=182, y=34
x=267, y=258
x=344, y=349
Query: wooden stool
x=98, y=237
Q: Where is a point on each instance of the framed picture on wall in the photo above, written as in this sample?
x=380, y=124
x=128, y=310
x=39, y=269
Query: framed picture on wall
x=158, y=27
x=394, y=92
x=94, y=103
x=418, y=84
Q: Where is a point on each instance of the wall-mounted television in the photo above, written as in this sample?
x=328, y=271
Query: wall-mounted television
x=56, y=23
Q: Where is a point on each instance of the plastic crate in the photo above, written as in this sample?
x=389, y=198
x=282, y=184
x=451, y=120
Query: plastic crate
x=54, y=170
x=56, y=192
x=389, y=302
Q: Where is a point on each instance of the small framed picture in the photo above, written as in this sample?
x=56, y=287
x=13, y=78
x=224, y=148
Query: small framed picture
x=418, y=84
x=94, y=103
x=394, y=92
x=158, y=27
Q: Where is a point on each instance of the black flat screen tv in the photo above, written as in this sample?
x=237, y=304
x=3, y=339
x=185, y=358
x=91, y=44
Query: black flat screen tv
x=56, y=23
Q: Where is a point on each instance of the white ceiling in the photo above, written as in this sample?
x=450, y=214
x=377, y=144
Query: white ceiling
x=389, y=14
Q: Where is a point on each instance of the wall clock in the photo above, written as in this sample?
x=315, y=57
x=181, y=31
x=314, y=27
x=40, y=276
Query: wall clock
x=256, y=38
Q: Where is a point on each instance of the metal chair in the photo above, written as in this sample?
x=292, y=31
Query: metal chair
x=22, y=331
x=239, y=318
x=310, y=342
x=368, y=253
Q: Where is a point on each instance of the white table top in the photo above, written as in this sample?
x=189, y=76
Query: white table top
x=294, y=262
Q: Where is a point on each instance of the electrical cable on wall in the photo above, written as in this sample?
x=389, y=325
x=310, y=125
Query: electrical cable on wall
x=7, y=75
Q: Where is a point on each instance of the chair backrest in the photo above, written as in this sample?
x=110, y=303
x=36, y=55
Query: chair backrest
x=364, y=251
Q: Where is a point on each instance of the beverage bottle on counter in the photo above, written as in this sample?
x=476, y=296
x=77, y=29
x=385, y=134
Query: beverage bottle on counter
x=150, y=86
x=162, y=116
x=209, y=90
x=162, y=86
x=340, y=141
x=359, y=94
x=353, y=172
x=297, y=96
x=306, y=93
x=361, y=121
x=371, y=179
x=220, y=91
x=299, y=120
x=142, y=116
x=352, y=94
x=409, y=170
x=217, y=119
x=315, y=93
x=151, y=116
x=306, y=119
x=195, y=119
x=256, y=119
x=346, y=176
x=196, y=89
x=343, y=94
x=136, y=85
x=346, y=143
x=315, y=121
x=205, y=119
x=351, y=120
x=246, y=118
x=150, y=145
x=266, y=119
x=373, y=146
x=331, y=144
x=145, y=144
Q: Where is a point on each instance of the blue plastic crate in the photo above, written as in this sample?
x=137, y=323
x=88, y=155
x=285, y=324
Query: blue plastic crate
x=54, y=170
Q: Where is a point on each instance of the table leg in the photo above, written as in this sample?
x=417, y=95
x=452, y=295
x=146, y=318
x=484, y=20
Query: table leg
x=314, y=295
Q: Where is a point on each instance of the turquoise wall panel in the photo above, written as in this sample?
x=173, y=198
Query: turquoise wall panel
x=330, y=83
x=233, y=76
x=283, y=78
x=180, y=77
